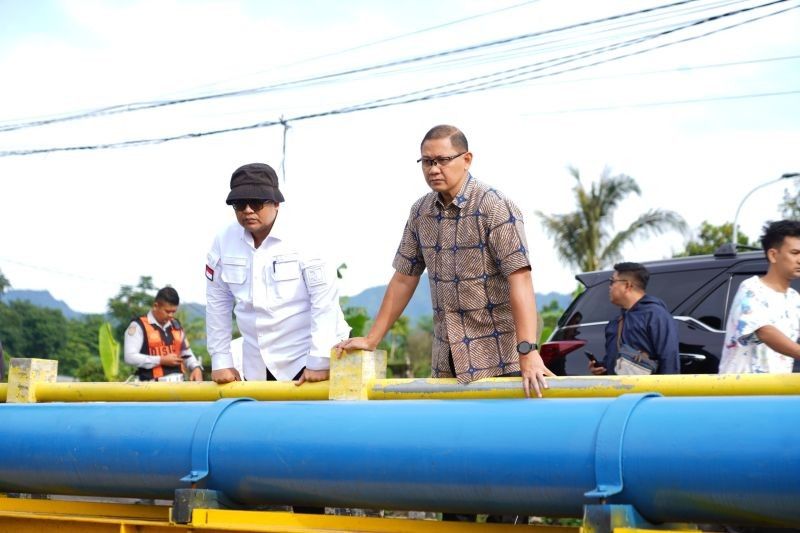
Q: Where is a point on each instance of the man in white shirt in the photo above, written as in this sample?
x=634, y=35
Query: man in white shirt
x=284, y=294
x=764, y=321
x=157, y=345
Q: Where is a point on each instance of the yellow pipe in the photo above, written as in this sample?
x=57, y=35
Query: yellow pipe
x=148, y=391
x=410, y=389
x=3, y=392
x=589, y=386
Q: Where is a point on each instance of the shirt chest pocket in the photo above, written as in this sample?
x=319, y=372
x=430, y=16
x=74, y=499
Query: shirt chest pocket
x=283, y=277
x=234, y=273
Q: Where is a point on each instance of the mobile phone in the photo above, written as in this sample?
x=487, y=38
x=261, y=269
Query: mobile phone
x=590, y=356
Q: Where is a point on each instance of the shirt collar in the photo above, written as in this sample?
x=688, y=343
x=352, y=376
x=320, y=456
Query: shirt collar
x=153, y=321
x=279, y=227
x=461, y=198
x=278, y=230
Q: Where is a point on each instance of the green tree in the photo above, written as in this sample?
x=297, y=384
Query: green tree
x=357, y=318
x=4, y=283
x=550, y=314
x=44, y=331
x=395, y=344
x=91, y=370
x=11, y=329
x=584, y=239
x=80, y=345
x=790, y=207
x=30, y=331
x=419, y=344
x=131, y=302
x=195, y=329
x=711, y=237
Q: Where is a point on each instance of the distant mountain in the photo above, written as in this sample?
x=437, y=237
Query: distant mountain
x=370, y=299
x=543, y=299
x=420, y=304
x=193, y=310
x=46, y=300
x=41, y=299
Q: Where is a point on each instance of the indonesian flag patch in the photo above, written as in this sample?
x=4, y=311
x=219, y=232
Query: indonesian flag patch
x=209, y=273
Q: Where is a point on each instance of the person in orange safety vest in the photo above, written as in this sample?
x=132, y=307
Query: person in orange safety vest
x=157, y=345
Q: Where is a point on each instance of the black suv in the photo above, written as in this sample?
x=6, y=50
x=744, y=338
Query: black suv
x=698, y=290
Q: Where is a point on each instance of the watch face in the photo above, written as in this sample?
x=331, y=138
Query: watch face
x=525, y=347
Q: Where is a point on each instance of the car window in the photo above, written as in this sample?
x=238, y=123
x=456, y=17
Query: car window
x=672, y=287
x=675, y=287
x=591, y=306
x=711, y=311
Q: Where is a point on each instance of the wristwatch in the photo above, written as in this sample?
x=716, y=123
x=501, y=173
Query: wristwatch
x=525, y=347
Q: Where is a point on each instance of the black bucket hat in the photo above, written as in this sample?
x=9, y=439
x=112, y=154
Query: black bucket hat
x=255, y=181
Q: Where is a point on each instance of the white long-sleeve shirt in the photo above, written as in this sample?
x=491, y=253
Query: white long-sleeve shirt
x=285, y=297
x=134, y=337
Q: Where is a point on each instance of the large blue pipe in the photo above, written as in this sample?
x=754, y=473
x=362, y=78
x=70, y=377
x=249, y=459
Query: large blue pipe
x=718, y=460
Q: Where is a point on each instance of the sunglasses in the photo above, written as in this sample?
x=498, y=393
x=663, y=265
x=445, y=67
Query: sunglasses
x=255, y=205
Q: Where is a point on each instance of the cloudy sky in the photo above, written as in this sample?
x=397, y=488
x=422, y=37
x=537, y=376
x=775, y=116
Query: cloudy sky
x=698, y=107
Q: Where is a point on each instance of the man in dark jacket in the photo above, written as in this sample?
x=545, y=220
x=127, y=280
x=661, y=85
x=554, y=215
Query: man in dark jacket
x=644, y=324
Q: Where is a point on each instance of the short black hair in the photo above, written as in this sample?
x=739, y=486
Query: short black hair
x=168, y=295
x=776, y=232
x=457, y=137
x=637, y=271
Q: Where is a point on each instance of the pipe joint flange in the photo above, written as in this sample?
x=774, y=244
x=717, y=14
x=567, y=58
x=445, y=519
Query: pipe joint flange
x=201, y=439
x=609, y=444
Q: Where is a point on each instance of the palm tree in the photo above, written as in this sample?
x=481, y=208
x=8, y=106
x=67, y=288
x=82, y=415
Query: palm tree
x=583, y=237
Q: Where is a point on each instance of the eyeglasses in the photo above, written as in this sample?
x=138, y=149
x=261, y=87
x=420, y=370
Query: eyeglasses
x=255, y=205
x=440, y=161
x=612, y=281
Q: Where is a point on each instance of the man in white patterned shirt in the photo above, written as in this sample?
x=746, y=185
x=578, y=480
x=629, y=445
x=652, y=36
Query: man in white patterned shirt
x=764, y=321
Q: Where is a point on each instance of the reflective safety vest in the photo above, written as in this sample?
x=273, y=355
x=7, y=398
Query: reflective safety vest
x=158, y=342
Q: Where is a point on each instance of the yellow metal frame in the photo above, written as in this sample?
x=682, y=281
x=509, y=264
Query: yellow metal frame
x=23, y=516
x=279, y=522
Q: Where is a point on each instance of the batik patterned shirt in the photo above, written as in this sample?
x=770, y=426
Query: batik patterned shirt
x=755, y=306
x=469, y=247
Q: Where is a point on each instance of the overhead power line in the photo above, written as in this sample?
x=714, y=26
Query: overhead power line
x=374, y=43
x=417, y=96
x=513, y=76
x=663, y=103
x=416, y=32
x=139, y=106
x=81, y=277
x=683, y=68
